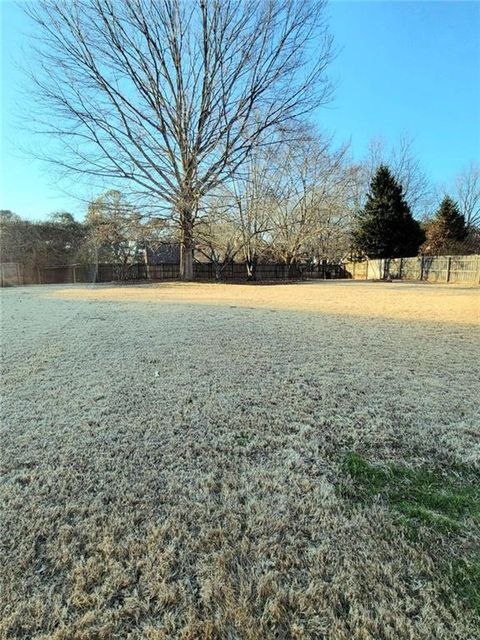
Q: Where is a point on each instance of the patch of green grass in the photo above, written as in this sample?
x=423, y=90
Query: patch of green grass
x=465, y=577
x=441, y=502
x=423, y=497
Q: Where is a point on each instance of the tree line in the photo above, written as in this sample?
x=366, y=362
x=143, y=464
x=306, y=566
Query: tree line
x=386, y=228
x=299, y=204
x=193, y=120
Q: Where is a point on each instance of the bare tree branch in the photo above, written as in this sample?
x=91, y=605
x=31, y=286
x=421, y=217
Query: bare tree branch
x=468, y=194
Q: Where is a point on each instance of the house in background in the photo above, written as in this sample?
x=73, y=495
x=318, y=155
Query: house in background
x=162, y=253
x=169, y=253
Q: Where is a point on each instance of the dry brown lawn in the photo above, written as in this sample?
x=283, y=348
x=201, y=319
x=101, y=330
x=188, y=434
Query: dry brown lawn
x=173, y=459
x=397, y=301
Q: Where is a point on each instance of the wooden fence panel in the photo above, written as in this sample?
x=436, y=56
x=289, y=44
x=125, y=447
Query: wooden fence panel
x=433, y=269
x=163, y=271
x=465, y=269
x=202, y=271
x=411, y=268
x=375, y=270
x=11, y=274
x=356, y=270
x=85, y=273
x=57, y=275
x=325, y=272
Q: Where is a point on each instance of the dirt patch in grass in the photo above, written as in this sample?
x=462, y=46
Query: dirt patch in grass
x=171, y=469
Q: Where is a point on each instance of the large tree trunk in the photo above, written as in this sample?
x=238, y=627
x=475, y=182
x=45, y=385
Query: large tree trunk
x=186, y=246
x=292, y=267
x=251, y=265
x=218, y=271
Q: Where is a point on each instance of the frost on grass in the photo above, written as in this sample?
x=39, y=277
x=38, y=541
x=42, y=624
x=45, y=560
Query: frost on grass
x=203, y=502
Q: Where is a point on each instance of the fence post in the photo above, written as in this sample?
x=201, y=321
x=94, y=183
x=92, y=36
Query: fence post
x=422, y=258
x=74, y=274
x=449, y=264
x=400, y=268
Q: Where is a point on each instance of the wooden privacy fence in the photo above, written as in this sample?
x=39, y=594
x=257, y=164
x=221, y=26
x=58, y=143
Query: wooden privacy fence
x=237, y=271
x=446, y=269
x=461, y=269
x=92, y=273
x=16, y=274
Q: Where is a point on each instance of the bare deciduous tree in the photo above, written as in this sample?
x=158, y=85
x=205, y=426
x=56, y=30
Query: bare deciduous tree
x=218, y=238
x=173, y=95
x=337, y=213
x=251, y=196
x=406, y=168
x=468, y=194
x=308, y=192
x=115, y=228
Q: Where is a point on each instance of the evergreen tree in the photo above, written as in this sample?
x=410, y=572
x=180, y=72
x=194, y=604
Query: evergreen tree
x=385, y=227
x=447, y=231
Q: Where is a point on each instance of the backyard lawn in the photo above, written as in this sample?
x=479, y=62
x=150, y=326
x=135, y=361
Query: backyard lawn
x=202, y=461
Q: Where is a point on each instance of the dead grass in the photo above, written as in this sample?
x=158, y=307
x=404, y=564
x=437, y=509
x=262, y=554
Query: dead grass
x=397, y=301
x=172, y=469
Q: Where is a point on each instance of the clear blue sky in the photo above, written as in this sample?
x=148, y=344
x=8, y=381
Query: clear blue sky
x=403, y=67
